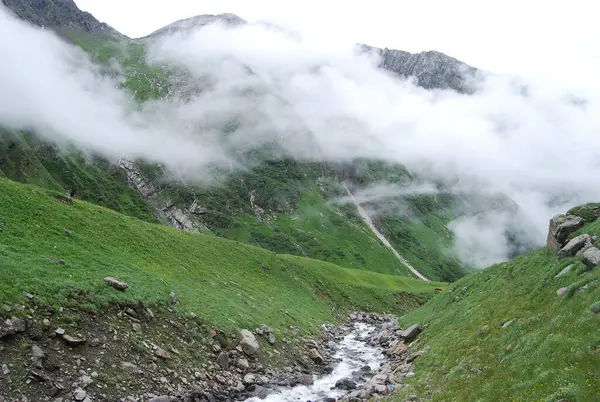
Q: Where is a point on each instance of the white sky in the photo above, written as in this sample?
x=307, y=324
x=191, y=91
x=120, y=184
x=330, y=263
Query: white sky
x=512, y=36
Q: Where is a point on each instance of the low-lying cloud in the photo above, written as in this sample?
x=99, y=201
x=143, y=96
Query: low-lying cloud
x=535, y=143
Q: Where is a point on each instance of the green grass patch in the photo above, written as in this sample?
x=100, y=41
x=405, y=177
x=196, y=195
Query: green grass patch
x=550, y=352
x=228, y=284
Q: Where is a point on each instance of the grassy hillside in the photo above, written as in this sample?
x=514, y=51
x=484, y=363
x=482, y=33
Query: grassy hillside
x=296, y=197
x=549, y=352
x=227, y=284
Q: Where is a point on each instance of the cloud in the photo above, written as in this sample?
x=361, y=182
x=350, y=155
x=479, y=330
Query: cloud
x=535, y=143
x=55, y=89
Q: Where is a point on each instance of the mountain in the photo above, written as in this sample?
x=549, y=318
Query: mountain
x=114, y=271
x=59, y=14
x=281, y=205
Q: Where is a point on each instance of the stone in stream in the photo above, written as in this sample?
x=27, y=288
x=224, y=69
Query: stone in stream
x=345, y=383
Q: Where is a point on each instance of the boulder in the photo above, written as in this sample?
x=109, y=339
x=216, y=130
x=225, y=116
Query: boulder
x=223, y=360
x=581, y=242
x=11, y=327
x=242, y=364
x=410, y=333
x=249, y=379
x=316, y=356
x=37, y=355
x=591, y=257
x=73, y=341
x=115, y=283
x=561, y=226
x=163, y=354
x=564, y=271
x=345, y=383
x=248, y=342
x=164, y=398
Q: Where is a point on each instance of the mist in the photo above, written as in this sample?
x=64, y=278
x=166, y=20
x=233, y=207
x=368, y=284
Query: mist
x=531, y=140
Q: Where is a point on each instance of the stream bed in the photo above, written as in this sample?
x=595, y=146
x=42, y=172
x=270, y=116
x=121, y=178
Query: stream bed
x=353, y=354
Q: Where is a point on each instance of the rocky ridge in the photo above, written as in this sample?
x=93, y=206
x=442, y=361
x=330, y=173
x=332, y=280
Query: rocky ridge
x=59, y=14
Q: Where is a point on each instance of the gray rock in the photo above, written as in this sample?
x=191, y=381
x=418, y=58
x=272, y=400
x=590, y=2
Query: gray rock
x=248, y=342
x=591, y=257
x=345, y=383
x=115, y=283
x=5, y=370
x=73, y=341
x=507, y=323
x=561, y=291
x=163, y=398
x=410, y=333
x=271, y=338
x=242, y=364
x=564, y=271
x=581, y=242
x=37, y=355
x=79, y=394
x=316, y=356
x=223, y=360
x=249, y=379
x=561, y=226
x=433, y=70
x=163, y=354
x=12, y=327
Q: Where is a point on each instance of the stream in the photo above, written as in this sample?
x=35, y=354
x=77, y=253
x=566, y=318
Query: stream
x=353, y=353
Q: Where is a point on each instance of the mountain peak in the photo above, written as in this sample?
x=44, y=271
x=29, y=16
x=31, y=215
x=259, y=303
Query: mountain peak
x=58, y=14
x=196, y=22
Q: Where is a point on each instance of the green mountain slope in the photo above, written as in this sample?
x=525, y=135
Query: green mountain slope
x=549, y=349
x=281, y=205
x=227, y=284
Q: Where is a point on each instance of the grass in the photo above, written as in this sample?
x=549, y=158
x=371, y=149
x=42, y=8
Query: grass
x=228, y=284
x=550, y=352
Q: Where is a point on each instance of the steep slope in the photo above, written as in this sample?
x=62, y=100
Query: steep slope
x=522, y=330
x=62, y=14
x=60, y=249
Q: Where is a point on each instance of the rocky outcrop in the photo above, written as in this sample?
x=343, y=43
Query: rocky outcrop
x=589, y=212
x=58, y=14
x=432, y=70
x=561, y=226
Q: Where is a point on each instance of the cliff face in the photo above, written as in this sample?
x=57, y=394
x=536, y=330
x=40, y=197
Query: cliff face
x=433, y=70
x=58, y=14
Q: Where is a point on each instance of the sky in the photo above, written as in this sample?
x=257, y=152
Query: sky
x=544, y=38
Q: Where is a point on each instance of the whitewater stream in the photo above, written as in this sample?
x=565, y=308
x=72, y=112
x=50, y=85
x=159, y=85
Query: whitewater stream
x=353, y=352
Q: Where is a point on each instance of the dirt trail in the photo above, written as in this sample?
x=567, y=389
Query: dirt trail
x=381, y=237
